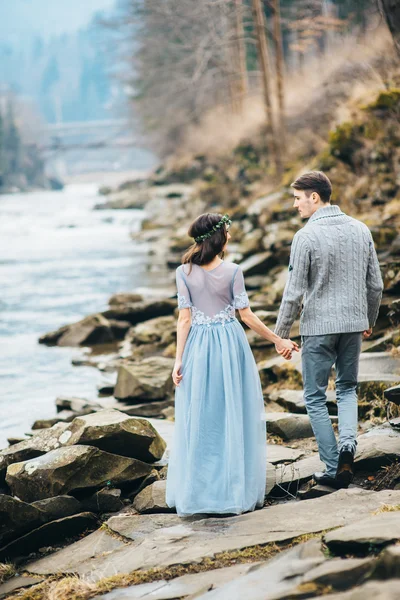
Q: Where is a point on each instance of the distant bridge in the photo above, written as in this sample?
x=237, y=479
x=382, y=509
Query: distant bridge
x=87, y=135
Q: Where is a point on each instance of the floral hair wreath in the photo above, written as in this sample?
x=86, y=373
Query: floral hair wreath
x=225, y=220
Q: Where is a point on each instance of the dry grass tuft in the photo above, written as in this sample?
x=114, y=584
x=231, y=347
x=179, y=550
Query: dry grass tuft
x=71, y=588
x=387, y=508
x=7, y=570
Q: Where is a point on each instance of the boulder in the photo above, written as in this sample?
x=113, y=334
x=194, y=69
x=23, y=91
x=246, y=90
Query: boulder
x=17, y=517
x=377, y=448
x=393, y=394
x=278, y=369
x=77, y=405
x=94, y=329
x=293, y=400
x=141, y=311
x=391, y=276
x=104, y=500
x=289, y=426
x=258, y=264
x=48, y=534
x=149, y=379
x=40, y=443
x=153, y=330
x=117, y=433
x=58, y=507
x=149, y=409
x=376, y=531
x=64, y=416
x=394, y=313
x=124, y=298
x=152, y=499
x=69, y=469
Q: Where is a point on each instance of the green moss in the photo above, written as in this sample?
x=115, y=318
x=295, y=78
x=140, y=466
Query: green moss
x=344, y=141
x=387, y=100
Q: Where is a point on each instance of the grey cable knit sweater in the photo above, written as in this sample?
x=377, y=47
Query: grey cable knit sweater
x=334, y=271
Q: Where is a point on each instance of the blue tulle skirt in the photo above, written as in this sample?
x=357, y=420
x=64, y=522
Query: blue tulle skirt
x=218, y=458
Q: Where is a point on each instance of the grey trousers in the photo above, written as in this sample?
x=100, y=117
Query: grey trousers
x=319, y=354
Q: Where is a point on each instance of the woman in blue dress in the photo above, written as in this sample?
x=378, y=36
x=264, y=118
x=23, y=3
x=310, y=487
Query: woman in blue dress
x=217, y=462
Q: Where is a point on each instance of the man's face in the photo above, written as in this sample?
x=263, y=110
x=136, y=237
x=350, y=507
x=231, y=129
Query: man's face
x=306, y=205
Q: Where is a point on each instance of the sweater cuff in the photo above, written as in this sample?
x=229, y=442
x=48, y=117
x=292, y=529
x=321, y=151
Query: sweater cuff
x=283, y=332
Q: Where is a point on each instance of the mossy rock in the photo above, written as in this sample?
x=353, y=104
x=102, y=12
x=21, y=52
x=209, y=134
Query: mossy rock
x=387, y=100
x=344, y=141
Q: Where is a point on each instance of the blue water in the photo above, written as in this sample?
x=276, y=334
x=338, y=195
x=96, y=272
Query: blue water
x=59, y=261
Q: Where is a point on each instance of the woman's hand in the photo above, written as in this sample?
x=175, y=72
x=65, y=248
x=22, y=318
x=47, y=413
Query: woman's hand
x=176, y=373
x=286, y=347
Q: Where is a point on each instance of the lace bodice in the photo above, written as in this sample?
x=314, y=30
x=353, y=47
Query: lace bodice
x=212, y=296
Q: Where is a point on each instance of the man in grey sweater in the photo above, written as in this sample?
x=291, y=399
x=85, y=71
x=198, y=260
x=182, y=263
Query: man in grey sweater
x=334, y=272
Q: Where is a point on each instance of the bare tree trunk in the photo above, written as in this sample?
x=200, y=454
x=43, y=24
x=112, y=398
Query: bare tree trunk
x=391, y=10
x=265, y=65
x=241, y=53
x=280, y=65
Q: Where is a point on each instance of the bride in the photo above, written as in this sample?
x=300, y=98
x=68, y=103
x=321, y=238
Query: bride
x=218, y=459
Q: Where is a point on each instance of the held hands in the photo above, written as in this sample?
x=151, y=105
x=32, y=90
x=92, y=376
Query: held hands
x=286, y=347
x=176, y=373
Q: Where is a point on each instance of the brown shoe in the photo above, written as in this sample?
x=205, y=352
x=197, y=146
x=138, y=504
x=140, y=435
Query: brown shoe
x=345, y=470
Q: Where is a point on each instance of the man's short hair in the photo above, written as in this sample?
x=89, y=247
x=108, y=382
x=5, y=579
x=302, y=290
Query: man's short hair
x=314, y=181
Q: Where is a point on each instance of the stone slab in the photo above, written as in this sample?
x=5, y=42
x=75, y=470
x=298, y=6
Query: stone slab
x=18, y=582
x=372, y=590
x=193, y=539
x=179, y=587
x=277, y=453
x=378, y=530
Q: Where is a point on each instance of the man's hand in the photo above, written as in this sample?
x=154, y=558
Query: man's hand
x=367, y=333
x=286, y=347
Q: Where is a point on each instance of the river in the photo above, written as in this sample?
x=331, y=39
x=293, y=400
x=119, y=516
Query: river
x=59, y=261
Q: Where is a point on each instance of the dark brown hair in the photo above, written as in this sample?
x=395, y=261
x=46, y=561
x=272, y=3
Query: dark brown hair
x=314, y=181
x=202, y=253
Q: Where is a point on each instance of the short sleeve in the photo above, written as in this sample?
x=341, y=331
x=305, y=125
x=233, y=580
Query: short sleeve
x=240, y=298
x=184, y=300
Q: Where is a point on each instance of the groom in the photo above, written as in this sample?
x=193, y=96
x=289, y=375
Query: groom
x=334, y=272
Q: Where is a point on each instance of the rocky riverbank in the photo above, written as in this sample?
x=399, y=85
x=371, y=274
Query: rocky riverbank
x=83, y=495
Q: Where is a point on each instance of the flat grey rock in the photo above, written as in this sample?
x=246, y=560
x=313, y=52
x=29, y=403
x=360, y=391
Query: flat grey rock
x=97, y=544
x=179, y=587
x=377, y=448
x=372, y=590
x=272, y=580
x=277, y=453
x=18, y=582
x=192, y=539
x=293, y=475
x=388, y=565
x=380, y=365
x=378, y=530
x=293, y=400
x=341, y=574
